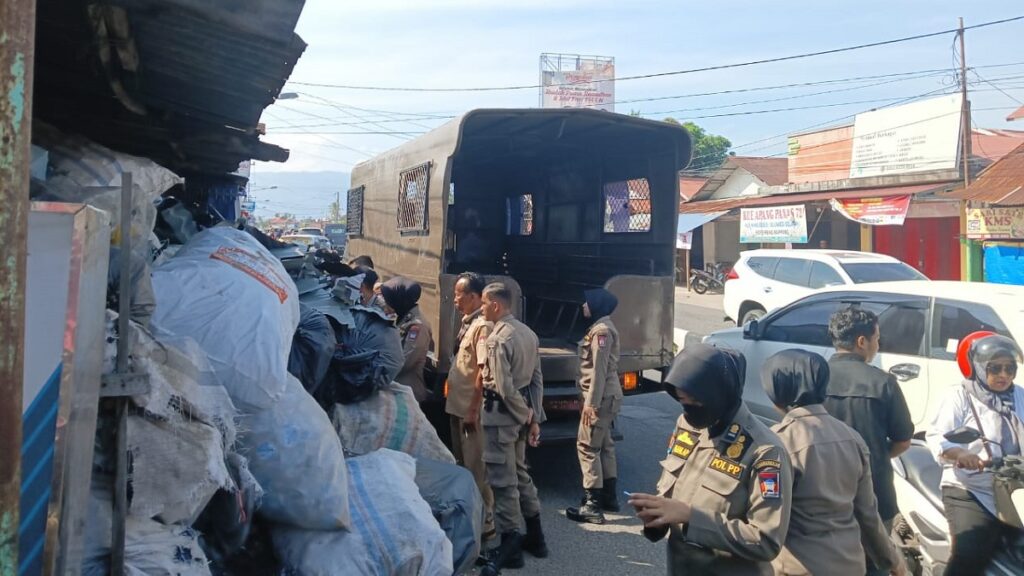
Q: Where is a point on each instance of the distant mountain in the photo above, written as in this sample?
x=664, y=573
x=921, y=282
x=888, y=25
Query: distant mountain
x=300, y=193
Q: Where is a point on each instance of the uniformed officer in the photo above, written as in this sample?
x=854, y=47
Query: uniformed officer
x=513, y=394
x=834, y=506
x=602, y=397
x=726, y=483
x=401, y=296
x=465, y=389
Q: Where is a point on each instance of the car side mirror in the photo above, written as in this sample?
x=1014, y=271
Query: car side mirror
x=750, y=330
x=962, y=435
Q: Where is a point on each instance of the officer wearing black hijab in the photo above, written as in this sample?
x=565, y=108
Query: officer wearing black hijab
x=402, y=296
x=726, y=483
x=834, y=506
x=602, y=398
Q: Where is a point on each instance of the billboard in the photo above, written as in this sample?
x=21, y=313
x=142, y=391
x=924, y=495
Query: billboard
x=918, y=137
x=875, y=211
x=572, y=81
x=776, y=224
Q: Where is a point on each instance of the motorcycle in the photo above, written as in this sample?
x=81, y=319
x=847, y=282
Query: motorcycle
x=713, y=278
x=921, y=530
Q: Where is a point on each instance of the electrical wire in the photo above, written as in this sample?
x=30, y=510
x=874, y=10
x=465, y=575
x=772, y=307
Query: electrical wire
x=672, y=73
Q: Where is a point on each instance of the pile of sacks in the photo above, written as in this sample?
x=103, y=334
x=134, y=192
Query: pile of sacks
x=229, y=443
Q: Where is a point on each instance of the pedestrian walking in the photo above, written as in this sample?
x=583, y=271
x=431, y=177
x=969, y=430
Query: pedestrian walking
x=870, y=401
x=513, y=394
x=401, y=296
x=465, y=389
x=601, y=395
x=726, y=484
x=834, y=509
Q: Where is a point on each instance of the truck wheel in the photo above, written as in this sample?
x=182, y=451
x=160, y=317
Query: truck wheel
x=699, y=286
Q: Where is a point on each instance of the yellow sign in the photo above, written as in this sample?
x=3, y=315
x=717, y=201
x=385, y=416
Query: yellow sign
x=995, y=223
x=722, y=465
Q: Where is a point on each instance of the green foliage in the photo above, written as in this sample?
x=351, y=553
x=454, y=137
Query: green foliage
x=709, y=150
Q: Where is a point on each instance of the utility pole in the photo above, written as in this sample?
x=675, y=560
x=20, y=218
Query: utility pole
x=17, y=61
x=965, y=113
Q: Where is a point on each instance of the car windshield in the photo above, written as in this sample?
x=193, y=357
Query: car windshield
x=866, y=272
x=302, y=240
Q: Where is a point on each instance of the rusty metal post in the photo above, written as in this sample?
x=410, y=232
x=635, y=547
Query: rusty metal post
x=17, y=42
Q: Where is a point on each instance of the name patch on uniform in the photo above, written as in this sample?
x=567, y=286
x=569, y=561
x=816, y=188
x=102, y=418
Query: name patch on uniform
x=727, y=467
x=768, y=482
x=767, y=463
x=602, y=341
x=414, y=332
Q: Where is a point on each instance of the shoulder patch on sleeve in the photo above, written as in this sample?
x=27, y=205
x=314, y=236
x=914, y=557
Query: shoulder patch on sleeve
x=414, y=332
x=767, y=463
x=602, y=340
x=768, y=482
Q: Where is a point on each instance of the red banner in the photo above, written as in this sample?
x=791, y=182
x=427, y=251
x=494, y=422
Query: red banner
x=891, y=211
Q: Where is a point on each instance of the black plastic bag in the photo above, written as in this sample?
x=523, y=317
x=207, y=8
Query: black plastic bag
x=353, y=376
x=312, y=348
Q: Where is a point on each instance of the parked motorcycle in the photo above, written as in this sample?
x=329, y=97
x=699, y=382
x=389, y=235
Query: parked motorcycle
x=921, y=529
x=711, y=279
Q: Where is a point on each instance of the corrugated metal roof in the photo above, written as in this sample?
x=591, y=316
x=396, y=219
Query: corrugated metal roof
x=710, y=206
x=183, y=82
x=1001, y=184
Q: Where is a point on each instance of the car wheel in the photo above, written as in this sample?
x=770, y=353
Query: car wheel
x=699, y=286
x=752, y=314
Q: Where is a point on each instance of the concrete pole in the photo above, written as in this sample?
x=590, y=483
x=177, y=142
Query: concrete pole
x=17, y=43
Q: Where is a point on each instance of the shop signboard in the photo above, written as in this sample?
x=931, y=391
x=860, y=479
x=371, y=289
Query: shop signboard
x=995, y=223
x=890, y=211
x=919, y=137
x=684, y=241
x=774, y=224
x=570, y=81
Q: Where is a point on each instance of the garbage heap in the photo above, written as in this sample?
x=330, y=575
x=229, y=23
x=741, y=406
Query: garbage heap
x=272, y=439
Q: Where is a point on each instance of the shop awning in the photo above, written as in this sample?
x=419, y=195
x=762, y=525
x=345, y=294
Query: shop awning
x=689, y=222
x=726, y=204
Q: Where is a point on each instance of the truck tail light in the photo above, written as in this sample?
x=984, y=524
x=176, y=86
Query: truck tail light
x=630, y=381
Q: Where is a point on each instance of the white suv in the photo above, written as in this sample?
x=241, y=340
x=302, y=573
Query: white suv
x=763, y=280
x=921, y=324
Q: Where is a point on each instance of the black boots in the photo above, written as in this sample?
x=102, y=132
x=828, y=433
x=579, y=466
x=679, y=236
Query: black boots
x=609, y=496
x=589, y=511
x=508, y=555
x=534, y=541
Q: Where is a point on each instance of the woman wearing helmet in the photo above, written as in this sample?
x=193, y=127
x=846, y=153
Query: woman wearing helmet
x=991, y=403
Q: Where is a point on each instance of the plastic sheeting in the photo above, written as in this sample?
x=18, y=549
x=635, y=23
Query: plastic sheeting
x=1004, y=262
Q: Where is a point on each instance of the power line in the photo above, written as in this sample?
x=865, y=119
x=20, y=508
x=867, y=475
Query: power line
x=1014, y=98
x=673, y=73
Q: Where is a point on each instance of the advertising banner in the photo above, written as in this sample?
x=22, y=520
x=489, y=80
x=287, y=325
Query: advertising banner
x=995, y=223
x=918, y=137
x=590, y=85
x=890, y=211
x=684, y=241
x=775, y=224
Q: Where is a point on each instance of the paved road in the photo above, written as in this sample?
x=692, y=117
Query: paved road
x=616, y=548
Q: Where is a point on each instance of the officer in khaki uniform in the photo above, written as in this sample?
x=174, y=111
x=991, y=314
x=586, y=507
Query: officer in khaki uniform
x=834, y=506
x=513, y=394
x=465, y=389
x=726, y=483
x=402, y=296
x=602, y=398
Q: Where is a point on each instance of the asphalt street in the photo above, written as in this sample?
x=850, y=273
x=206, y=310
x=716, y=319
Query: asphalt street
x=617, y=547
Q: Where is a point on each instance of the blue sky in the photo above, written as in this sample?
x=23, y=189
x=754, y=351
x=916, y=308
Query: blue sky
x=458, y=43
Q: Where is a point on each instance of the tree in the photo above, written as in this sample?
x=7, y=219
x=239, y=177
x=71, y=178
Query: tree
x=334, y=212
x=709, y=150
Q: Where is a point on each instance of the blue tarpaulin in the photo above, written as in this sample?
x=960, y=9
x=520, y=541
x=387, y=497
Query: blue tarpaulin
x=689, y=222
x=1004, y=262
